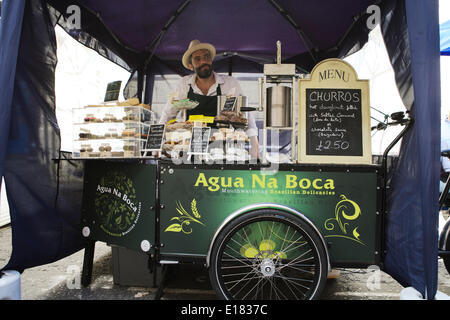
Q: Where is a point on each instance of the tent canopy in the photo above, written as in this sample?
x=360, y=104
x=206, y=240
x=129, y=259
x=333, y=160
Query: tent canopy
x=150, y=37
x=142, y=29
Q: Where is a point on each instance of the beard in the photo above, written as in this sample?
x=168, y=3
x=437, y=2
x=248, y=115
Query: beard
x=204, y=72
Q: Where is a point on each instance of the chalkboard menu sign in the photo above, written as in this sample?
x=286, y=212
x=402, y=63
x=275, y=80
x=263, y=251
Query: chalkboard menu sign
x=199, y=140
x=229, y=104
x=113, y=91
x=334, y=116
x=155, y=137
x=333, y=122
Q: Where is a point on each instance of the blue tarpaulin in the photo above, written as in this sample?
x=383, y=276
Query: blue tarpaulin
x=411, y=237
x=444, y=30
x=150, y=37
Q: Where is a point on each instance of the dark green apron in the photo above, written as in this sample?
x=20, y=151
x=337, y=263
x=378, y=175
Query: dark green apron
x=207, y=104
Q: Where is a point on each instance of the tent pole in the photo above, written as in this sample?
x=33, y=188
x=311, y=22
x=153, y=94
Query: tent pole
x=155, y=43
x=230, y=66
x=306, y=41
x=141, y=85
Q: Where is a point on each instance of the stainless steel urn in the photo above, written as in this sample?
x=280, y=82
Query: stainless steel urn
x=278, y=107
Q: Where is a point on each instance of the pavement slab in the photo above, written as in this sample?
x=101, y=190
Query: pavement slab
x=60, y=280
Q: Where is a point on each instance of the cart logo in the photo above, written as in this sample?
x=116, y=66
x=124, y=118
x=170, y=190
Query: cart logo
x=116, y=205
x=185, y=219
x=343, y=220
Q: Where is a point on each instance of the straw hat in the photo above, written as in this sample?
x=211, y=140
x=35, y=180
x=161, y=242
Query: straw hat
x=194, y=46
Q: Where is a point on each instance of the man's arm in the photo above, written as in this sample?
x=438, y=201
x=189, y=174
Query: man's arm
x=252, y=133
x=169, y=112
x=254, y=147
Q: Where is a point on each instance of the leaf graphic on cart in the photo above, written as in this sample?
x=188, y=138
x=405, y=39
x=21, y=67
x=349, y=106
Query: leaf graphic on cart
x=355, y=233
x=185, y=219
x=176, y=227
x=194, y=209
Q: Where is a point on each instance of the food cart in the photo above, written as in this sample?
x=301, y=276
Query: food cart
x=264, y=230
x=45, y=185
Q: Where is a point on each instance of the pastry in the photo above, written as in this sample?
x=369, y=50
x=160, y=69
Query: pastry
x=89, y=118
x=129, y=102
x=129, y=117
x=129, y=148
x=127, y=133
x=179, y=125
x=109, y=118
x=145, y=106
x=85, y=135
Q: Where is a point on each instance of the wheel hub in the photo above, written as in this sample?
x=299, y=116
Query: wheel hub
x=267, y=268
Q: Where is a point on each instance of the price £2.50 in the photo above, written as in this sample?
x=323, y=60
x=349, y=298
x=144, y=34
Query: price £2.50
x=332, y=145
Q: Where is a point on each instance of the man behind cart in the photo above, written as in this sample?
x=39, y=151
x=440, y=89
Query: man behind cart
x=204, y=86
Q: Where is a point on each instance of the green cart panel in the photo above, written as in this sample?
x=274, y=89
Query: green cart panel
x=342, y=204
x=118, y=203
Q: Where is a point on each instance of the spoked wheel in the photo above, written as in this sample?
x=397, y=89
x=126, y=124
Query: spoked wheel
x=268, y=255
x=444, y=240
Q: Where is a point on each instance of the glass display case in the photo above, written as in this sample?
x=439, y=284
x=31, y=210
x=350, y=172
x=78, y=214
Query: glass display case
x=110, y=131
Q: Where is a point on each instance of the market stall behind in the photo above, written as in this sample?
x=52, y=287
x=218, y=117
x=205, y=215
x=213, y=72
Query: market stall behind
x=444, y=32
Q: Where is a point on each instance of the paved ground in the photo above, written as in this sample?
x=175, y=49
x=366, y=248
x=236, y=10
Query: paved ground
x=61, y=281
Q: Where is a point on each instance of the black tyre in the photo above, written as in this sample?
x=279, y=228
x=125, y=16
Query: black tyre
x=268, y=255
x=444, y=240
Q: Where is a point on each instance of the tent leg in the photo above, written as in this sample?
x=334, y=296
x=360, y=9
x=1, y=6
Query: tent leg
x=86, y=274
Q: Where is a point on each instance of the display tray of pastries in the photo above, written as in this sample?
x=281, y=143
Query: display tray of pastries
x=229, y=134
x=132, y=102
x=231, y=118
x=110, y=118
x=130, y=117
x=85, y=135
x=174, y=150
x=177, y=137
x=238, y=136
x=128, y=133
x=92, y=118
x=129, y=102
x=187, y=125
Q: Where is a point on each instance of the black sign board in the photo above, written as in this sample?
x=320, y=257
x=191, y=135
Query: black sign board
x=334, y=122
x=229, y=104
x=113, y=91
x=334, y=115
x=199, y=140
x=155, y=137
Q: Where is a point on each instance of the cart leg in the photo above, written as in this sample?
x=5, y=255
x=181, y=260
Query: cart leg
x=160, y=291
x=152, y=266
x=86, y=274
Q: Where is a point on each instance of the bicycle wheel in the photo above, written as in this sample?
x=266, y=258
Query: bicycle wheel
x=445, y=237
x=268, y=255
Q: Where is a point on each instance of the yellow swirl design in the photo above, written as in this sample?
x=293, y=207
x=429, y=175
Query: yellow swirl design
x=341, y=212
